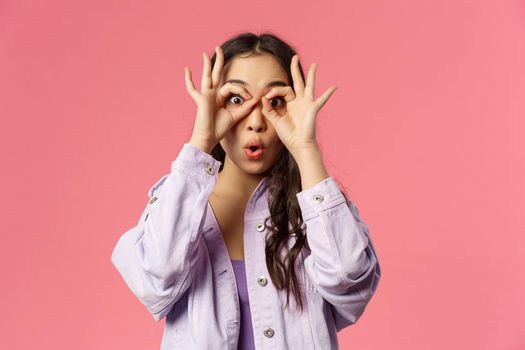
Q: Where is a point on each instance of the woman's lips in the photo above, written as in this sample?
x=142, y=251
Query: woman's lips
x=253, y=154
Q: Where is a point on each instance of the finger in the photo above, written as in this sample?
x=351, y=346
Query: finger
x=320, y=102
x=298, y=83
x=284, y=91
x=206, y=72
x=310, y=82
x=217, y=67
x=229, y=88
x=190, y=87
x=243, y=111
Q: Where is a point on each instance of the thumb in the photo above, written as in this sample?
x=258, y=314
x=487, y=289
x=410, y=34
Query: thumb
x=244, y=110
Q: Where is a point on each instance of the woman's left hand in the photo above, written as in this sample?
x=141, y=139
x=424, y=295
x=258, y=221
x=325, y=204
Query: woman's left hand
x=296, y=125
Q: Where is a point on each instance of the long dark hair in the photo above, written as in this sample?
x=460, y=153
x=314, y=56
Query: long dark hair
x=284, y=180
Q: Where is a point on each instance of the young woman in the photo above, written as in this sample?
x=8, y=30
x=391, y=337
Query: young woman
x=248, y=216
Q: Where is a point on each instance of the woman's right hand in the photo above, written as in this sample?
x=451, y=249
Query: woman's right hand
x=213, y=119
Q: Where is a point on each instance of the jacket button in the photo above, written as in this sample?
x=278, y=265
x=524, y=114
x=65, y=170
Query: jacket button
x=210, y=169
x=268, y=332
x=260, y=227
x=262, y=280
x=152, y=200
x=318, y=198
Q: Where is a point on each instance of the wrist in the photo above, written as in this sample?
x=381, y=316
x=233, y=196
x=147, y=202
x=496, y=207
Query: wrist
x=203, y=146
x=306, y=154
x=311, y=167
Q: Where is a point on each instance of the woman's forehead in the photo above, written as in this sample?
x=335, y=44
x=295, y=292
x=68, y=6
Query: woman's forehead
x=277, y=82
x=255, y=72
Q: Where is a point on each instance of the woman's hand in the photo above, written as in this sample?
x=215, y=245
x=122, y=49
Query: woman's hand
x=213, y=120
x=296, y=127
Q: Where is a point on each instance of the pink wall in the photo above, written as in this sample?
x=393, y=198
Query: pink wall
x=430, y=110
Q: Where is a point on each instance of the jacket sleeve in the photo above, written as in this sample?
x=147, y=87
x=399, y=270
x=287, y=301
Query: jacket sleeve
x=156, y=257
x=342, y=266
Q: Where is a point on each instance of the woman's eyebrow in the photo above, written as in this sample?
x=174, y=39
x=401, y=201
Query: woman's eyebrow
x=271, y=84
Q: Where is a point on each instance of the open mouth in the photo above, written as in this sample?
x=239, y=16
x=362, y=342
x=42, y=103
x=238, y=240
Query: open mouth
x=253, y=152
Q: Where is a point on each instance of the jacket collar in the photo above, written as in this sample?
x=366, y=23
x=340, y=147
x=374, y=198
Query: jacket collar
x=257, y=205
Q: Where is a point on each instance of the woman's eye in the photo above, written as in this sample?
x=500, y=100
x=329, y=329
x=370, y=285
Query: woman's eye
x=233, y=97
x=282, y=101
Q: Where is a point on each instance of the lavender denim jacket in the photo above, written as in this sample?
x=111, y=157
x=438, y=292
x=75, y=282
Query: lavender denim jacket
x=176, y=263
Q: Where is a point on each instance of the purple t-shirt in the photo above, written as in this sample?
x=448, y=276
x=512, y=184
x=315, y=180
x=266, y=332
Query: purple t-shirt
x=246, y=334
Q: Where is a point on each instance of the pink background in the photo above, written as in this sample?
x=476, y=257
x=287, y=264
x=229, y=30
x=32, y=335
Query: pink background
x=425, y=132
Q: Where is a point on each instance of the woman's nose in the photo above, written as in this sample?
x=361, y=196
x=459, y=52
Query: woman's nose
x=256, y=119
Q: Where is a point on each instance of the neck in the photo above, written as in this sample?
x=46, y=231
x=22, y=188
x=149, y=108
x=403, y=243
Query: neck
x=235, y=182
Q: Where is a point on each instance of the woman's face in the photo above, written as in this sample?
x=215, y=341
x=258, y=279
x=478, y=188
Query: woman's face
x=257, y=75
